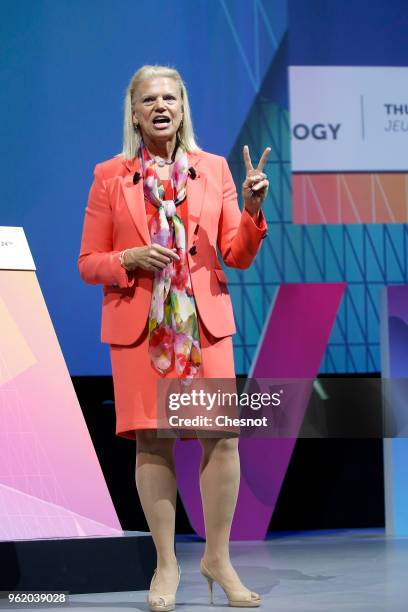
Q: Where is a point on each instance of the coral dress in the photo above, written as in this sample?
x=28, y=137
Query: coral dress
x=134, y=377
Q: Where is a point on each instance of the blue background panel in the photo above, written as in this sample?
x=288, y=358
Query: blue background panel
x=65, y=66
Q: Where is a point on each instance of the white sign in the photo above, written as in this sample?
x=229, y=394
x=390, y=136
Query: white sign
x=14, y=250
x=346, y=118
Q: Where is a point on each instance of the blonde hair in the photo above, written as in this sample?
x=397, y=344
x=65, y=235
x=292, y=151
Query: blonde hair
x=132, y=136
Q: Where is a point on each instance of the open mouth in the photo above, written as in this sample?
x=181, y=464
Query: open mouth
x=161, y=122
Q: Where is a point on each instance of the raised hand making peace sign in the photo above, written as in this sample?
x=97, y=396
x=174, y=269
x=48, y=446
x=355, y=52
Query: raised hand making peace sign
x=255, y=185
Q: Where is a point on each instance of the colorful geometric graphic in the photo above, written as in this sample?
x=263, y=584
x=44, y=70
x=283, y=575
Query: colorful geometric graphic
x=365, y=256
x=43, y=435
x=350, y=198
x=291, y=347
x=394, y=354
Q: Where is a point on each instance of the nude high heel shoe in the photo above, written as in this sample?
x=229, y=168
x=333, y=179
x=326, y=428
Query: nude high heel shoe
x=236, y=599
x=164, y=602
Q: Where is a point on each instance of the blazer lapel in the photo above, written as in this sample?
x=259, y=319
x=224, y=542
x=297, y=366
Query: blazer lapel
x=195, y=197
x=134, y=197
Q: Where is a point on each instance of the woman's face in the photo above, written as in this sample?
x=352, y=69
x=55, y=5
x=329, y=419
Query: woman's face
x=158, y=108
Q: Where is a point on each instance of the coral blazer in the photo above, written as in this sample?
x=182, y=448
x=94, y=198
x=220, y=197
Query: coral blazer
x=115, y=219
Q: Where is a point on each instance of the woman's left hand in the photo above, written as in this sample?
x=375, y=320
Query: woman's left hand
x=255, y=186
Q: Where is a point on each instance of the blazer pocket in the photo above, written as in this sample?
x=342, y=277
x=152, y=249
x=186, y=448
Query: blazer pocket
x=220, y=274
x=116, y=291
x=107, y=289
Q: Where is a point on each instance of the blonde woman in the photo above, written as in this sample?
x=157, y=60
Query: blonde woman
x=155, y=216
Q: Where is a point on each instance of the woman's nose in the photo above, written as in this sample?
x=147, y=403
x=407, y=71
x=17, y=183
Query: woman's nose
x=160, y=103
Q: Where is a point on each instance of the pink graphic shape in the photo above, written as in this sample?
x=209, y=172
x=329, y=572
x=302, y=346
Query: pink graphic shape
x=367, y=197
x=292, y=346
x=51, y=483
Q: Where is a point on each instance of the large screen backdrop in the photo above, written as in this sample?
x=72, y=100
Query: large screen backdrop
x=65, y=68
x=349, y=124
x=338, y=205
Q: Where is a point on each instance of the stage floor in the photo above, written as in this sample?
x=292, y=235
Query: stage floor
x=358, y=570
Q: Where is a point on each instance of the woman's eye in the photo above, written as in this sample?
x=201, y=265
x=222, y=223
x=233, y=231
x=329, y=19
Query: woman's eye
x=151, y=99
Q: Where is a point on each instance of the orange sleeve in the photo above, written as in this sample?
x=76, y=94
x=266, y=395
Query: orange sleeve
x=239, y=235
x=98, y=263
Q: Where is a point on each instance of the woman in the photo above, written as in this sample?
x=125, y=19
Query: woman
x=154, y=217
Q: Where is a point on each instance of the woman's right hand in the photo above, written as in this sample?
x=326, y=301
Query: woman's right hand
x=152, y=258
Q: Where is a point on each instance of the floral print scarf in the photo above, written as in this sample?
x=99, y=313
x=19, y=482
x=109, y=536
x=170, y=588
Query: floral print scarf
x=173, y=324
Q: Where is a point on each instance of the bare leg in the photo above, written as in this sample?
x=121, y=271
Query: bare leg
x=219, y=485
x=157, y=488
